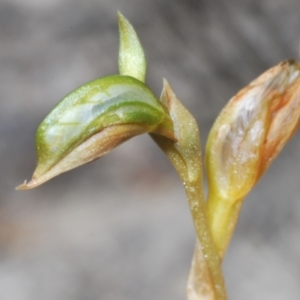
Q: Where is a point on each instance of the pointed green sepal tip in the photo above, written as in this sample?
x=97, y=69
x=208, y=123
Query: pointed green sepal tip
x=93, y=120
x=132, y=60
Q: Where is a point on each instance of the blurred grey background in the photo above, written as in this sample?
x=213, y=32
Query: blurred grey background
x=120, y=228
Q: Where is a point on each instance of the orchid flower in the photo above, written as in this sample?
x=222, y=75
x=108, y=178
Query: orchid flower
x=245, y=139
x=247, y=136
x=100, y=115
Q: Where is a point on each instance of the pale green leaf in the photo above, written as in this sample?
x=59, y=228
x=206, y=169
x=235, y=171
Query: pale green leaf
x=132, y=60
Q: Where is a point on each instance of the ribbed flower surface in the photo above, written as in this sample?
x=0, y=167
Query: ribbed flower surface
x=252, y=129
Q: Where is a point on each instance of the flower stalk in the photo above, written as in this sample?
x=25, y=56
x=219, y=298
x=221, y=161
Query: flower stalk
x=185, y=155
x=247, y=136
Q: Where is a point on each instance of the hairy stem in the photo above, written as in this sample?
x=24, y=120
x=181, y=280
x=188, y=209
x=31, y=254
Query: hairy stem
x=199, y=282
x=206, y=249
x=185, y=155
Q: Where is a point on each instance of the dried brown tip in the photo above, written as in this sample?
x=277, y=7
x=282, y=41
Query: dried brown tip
x=28, y=185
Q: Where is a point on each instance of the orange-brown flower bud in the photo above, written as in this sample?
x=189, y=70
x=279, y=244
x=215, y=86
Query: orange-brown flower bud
x=247, y=136
x=252, y=129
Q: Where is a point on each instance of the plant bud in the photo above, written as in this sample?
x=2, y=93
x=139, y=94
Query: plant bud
x=93, y=120
x=251, y=131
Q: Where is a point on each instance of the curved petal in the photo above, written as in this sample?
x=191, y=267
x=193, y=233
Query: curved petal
x=94, y=119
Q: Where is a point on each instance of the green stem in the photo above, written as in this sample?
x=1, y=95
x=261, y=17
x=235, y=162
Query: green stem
x=185, y=155
x=194, y=193
x=222, y=216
